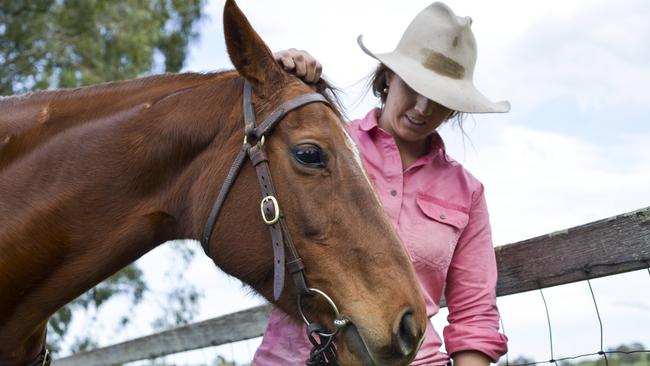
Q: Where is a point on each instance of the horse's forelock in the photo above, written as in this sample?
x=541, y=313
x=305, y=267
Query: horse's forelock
x=332, y=94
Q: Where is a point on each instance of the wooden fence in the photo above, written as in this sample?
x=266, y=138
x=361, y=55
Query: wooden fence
x=601, y=248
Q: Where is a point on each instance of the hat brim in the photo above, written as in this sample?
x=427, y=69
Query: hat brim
x=459, y=95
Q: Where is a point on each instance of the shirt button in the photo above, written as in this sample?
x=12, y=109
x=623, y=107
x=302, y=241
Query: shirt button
x=393, y=193
x=443, y=216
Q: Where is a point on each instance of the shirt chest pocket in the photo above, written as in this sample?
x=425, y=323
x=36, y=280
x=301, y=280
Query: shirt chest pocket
x=435, y=232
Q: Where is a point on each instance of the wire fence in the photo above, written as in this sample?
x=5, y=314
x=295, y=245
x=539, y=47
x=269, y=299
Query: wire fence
x=233, y=354
x=601, y=352
x=608, y=249
x=241, y=353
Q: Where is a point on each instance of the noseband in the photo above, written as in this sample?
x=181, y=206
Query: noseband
x=284, y=251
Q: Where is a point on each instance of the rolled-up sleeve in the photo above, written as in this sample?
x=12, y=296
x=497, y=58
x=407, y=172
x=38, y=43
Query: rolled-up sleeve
x=471, y=289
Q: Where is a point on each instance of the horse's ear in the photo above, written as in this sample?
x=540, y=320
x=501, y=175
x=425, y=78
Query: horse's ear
x=248, y=52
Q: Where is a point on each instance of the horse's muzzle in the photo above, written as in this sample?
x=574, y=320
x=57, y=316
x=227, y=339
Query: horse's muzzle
x=406, y=340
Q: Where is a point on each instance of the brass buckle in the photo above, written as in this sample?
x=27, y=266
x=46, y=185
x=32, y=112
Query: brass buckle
x=276, y=207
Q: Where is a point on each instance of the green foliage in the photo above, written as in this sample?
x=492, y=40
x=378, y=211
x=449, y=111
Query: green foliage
x=127, y=282
x=68, y=43
x=521, y=360
x=178, y=305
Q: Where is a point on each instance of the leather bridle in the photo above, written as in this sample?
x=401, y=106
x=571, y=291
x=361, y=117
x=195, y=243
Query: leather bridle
x=43, y=358
x=284, y=251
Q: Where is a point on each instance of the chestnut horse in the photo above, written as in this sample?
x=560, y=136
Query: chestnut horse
x=95, y=177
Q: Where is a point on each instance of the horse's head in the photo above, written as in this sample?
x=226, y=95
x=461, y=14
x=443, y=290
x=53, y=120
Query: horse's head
x=349, y=248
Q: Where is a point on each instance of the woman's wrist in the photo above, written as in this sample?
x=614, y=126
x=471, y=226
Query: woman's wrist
x=470, y=358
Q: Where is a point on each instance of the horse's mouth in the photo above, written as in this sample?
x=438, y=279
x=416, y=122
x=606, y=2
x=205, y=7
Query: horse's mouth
x=357, y=345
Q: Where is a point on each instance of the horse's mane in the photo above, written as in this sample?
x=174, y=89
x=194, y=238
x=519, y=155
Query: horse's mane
x=128, y=93
x=153, y=82
x=105, y=97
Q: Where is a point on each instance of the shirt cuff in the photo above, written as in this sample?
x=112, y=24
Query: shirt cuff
x=459, y=337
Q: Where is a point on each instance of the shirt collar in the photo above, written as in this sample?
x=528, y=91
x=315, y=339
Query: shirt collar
x=436, y=145
x=436, y=152
x=369, y=121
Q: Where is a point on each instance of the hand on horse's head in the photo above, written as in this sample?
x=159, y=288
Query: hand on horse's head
x=299, y=63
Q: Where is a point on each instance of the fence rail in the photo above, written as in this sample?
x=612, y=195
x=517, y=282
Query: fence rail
x=602, y=248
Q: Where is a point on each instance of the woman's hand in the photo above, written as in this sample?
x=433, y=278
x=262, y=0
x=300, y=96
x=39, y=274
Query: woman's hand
x=299, y=63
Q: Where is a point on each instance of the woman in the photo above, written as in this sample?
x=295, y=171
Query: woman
x=437, y=207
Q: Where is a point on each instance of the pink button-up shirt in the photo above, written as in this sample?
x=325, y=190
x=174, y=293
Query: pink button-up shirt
x=439, y=211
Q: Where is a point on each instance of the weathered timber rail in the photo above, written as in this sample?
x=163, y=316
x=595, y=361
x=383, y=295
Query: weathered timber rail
x=602, y=248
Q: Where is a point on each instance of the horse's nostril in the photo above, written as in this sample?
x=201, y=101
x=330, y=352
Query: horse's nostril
x=407, y=334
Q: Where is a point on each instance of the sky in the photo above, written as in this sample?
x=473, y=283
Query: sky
x=574, y=148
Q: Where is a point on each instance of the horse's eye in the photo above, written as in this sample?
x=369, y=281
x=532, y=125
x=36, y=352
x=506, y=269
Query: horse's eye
x=309, y=155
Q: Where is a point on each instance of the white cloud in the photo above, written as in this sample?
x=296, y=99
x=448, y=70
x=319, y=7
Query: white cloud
x=539, y=181
x=598, y=56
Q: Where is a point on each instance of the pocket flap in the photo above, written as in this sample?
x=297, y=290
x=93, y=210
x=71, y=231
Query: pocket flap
x=442, y=214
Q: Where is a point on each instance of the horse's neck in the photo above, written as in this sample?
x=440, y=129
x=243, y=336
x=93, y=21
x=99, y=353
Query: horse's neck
x=94, y=197
x=28, y=121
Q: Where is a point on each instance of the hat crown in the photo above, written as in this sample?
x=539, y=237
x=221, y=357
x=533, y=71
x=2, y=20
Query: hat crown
x=441, y=42
x=436, y=58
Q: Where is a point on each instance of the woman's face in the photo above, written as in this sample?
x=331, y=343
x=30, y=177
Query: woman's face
x=408, y=115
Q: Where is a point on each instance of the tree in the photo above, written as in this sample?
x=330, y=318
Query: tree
x=177, y=306
x=68, y=43
x=628, y=353
x=521, y=360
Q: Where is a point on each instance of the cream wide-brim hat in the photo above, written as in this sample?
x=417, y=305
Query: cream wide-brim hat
x=436, y=58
